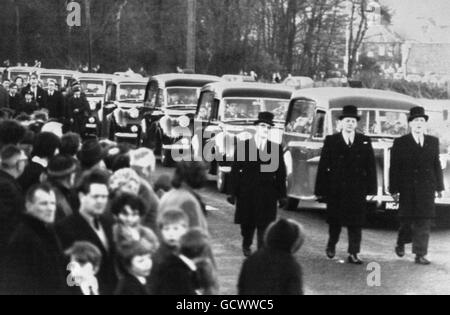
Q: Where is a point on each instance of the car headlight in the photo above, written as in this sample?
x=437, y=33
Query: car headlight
x=134, y=113
x=134, y=129
x=91, y=120
x=184, y=121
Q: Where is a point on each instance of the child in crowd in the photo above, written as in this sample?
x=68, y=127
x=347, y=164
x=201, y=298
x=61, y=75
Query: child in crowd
x=274, y=270
x=136, y=258
x=85, y=261
x=162, y=185
x=190, y=272
x=128, y=211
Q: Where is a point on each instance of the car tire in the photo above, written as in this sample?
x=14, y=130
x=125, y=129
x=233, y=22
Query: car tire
x=292, y=204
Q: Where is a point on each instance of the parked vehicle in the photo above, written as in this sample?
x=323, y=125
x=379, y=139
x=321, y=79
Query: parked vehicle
x=299, y=82
x=313, y=114
x=172, y=101
x=238, y=78
x=226, y=114
x=23, y=72
x=123, y=111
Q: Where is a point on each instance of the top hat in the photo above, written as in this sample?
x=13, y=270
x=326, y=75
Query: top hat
x=417, y=112
x=265, y=118
x=350, y=111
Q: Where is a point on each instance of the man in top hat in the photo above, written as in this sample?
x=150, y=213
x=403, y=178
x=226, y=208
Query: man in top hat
x=54, y=102
x=346, y=176
x=416, y=179
x=258, y=180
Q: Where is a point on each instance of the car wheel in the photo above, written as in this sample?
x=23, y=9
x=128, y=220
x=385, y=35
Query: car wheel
x=292, y=204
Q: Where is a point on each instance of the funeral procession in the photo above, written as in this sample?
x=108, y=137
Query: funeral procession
x=253, y=148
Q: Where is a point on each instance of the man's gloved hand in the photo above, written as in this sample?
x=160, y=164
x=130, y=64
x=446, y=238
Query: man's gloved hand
x=231, y=200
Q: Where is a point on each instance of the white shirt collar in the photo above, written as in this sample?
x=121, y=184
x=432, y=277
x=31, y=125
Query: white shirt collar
x=348, y=137
x=40, y=161
x=188, y=262
x=90, y=285
x=142, y=280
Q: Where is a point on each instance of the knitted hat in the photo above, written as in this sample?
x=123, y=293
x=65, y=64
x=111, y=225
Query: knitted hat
x=61, y=166
x=285, y=235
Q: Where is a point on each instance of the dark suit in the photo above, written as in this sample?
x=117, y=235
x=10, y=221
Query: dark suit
x=28, y=108
x=77, y=110
x=76, y=228
x=12, y=204
x=35, y=263
x=40, y=96
x=257, y=190
x=130, y=285
x=55, y=105
x=174, y=278
x=416, y=174
x=14, y=102
x=346, y=176
x=4, y=103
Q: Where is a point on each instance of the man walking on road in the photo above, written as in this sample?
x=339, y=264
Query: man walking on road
x=259, y=182
x=346, y=176
x=416, y=178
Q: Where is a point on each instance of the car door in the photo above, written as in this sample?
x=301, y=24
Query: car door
x=205, y=126
x=303, y=140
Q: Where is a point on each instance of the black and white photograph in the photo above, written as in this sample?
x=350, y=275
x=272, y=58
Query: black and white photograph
x=224, y=153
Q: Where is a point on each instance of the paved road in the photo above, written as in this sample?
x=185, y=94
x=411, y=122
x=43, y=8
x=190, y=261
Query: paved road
x=323, y=276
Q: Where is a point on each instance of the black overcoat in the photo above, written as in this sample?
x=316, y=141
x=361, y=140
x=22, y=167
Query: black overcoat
x=346, y=176
x=34, y=261
x=75, y=229
x=257, y=190
x=55, y=106
x=416, y=173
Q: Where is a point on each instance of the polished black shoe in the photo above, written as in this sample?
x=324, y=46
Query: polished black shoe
x=354, y=260
x=331, y=253
x=247, y=252
x=420, y=260
x=400, y=251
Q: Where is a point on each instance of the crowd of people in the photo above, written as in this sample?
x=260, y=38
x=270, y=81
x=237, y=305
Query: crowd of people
x=90, y=218
x=28, y=102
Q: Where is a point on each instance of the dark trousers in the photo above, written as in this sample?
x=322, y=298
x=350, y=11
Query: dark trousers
x=248, y=233
x=354, y=238
x=417, y=232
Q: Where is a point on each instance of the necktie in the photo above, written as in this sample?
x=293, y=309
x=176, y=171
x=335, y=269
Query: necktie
x=97, y=224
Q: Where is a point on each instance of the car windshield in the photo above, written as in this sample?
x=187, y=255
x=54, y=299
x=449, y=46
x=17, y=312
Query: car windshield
x=379, y=123
x=92, y=87
x=46, y=78
x=132, y=92
x=249, y=108
x=182, y=96
x=16, y=74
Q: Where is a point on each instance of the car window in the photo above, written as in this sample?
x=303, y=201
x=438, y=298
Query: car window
x=302, y=117
x=182, y=96
x=131, y=92
x=206, y=106
x=249, y=108
x=92, y=87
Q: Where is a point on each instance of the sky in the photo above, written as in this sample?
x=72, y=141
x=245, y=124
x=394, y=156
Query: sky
x=407, y=11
